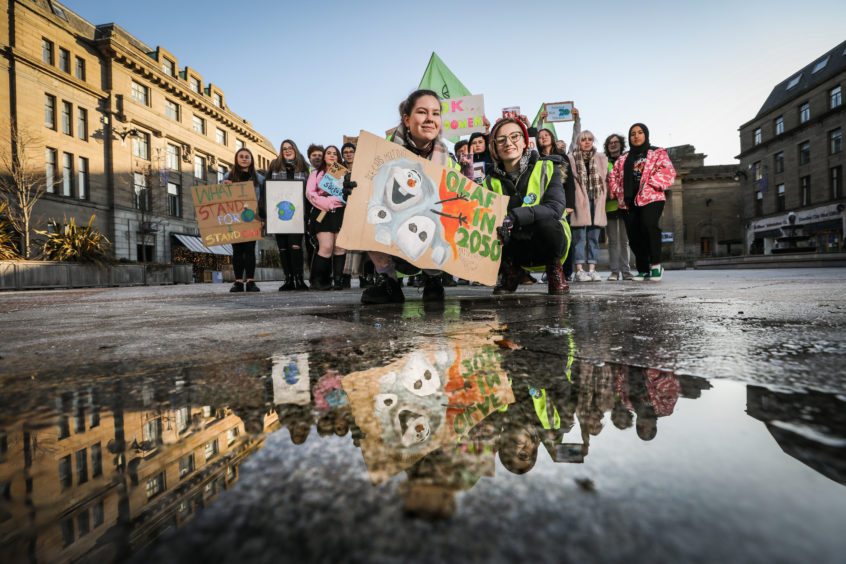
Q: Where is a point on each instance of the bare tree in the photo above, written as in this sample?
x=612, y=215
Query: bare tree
x=22, y=182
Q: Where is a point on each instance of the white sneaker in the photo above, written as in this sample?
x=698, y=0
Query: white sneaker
x=613, y=276
x=581, y=276
x=594, y=276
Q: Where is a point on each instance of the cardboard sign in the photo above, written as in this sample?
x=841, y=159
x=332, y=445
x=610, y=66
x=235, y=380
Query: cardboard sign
x=559, y=111
x=333, y=181
x=290, y=379
x=429, y=398
x=479, y=172
x=511, y=112
x=227, y=213
x=285, y=206
x=463, y=116
x=348, y=139
x=429, y=215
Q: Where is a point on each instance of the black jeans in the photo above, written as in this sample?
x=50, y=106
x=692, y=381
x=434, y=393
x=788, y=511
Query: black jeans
x=244, y=260
x=644, y=234
x=537, y=244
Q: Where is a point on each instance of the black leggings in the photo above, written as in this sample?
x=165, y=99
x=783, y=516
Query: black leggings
x=244, y=260
x=644, y=234
x=537, y=244
x=287, y=241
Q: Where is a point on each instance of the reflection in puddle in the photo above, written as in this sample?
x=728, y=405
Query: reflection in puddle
x=107, y=469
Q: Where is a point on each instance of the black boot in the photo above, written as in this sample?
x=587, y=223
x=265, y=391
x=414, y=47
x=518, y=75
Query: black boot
x=433, y=288
x=285, y=258
x=338, y=271
x=321, y=269
x=297, y=269
x=386, y=290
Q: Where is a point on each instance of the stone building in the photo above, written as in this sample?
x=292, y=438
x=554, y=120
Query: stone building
x=124, y=131
x=792, y=159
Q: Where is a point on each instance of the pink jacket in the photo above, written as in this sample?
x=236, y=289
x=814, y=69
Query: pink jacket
x=320, y=199
x=658, y=175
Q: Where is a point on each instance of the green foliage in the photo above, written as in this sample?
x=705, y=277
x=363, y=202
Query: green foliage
x=8, y=235
x=68, y=242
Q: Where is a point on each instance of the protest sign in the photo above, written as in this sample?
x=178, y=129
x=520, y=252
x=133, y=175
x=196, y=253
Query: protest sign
x=290, y=379
x=478, y=172
x=559, y=111
x=511, y=112
x=333, y=181
x=348, y=139
x=429, y=398
x=285, y=207
x=427, y=214
x=227, y=213
x=463, y=116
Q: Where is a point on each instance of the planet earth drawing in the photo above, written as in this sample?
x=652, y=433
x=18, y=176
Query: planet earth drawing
x=285, y=210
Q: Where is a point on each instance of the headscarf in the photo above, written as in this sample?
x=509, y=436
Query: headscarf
x=635, y=153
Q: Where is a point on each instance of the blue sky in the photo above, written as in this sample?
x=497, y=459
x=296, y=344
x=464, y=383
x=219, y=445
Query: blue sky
x=692, y=71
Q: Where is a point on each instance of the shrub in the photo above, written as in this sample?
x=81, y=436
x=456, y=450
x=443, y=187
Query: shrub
x=8, y=236
x=68, y=242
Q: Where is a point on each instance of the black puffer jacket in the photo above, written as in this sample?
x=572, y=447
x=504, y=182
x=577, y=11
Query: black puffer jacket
x=552, y=204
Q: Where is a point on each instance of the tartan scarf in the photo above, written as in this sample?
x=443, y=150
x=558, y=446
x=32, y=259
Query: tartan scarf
x=588, y=176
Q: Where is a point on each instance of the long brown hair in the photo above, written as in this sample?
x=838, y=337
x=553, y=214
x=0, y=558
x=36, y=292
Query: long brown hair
x=323, y=164
x=279, y=163
x=251, y=169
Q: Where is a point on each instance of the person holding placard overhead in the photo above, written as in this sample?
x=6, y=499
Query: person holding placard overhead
x=244, y=254
x=533, y=231
x=290, y=165
x=638, y=181
x=590, y=172
x=419, y=131
x=325, y=221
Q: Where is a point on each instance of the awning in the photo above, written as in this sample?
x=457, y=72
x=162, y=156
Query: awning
x=194, y=244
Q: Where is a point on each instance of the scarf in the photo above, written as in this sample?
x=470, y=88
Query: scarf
x=435, y=151
x=514, y=175
x=587, y=175
x=635, y=153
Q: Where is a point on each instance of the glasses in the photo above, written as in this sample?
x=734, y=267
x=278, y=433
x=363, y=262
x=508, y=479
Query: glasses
x=514, y=137
x=286, y=149
x=349, y=152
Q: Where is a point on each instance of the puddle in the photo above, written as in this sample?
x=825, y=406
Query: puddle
x=450, y=446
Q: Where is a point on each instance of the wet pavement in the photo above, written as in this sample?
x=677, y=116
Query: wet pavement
x=697, y=419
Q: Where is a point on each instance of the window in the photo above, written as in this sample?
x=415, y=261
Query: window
x=199, y=125
x=81, y=466
x=155, y=485
x=80, y=68
x=211, y=449
x=231, y=436
x=172, y=110
x=218, y=100
x=145, y=252
x=221, y=136
x=173, y=199
x=142, y=194
x=67, y=532
x=820, y=65
x=50, y=111
x=140, y=93
x=47, y=51
x=82, y=185
x=82, y=123
x=50, y=175
x=756, y=136
x=184, y=508
x=835, y=97
x=835, y=182
x=64, y=60
x=168, y=67
x=835, y=141
x=779, y=161
x=209, y=490
x=757, y=171
x=207, y=411
x=83, y=522
x=79, y=419
x=172, y=157
x=759, y=203
x=239, y=144
x=141, y=145
x=65, y=478
x=67, y=115
x=199, y=168
x=153, y=431
x=804, y=152
x=221, y=172
x=67, y=174
x=182, y=419
x=794, y=81
x=96, y=460
x=195, y=84
x=780, y=197
x=805, y=190
x=98, y=513
x=186, y=465
x=779, y=125
x=804, y=112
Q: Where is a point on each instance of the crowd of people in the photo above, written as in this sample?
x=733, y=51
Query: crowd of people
x=559, y=201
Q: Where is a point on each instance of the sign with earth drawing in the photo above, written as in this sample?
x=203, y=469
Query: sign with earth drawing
x=285, y=208
x=227, y=213
x=427, y=214
x=559, y=111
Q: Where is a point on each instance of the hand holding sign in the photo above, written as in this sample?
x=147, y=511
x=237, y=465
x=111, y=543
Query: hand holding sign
x=333, y=181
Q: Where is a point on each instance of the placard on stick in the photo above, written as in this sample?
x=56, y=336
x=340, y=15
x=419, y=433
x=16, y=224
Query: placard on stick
x=559, y=111
x=333, y=181
x=227, y=213
x=429, y=215
x=285, y=206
